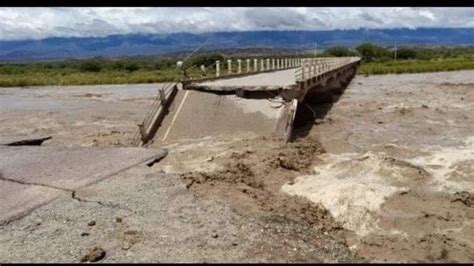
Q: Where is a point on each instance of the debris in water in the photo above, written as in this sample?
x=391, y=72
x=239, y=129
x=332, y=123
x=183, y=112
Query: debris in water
x=28, y=142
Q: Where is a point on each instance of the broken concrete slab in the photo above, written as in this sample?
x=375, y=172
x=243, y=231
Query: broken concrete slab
x=18, y=199
x=69, y=167
x=196, y=114
x=33, y=176
x=23, y=140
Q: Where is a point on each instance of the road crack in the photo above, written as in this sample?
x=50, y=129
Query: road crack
x=31, y=183
x=73, y=196
x=104, y=204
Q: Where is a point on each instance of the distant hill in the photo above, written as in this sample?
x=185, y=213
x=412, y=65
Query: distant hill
x=156, y=44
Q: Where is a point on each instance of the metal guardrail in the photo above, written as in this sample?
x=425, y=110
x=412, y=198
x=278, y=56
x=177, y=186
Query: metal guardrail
x=143, y=134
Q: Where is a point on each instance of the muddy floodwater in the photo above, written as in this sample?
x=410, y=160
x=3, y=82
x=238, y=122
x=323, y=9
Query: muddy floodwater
x=105, y=115
x=386, y=173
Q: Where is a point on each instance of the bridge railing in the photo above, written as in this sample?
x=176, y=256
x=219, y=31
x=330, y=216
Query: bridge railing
x=311, y=67
x=238, y=67
x=306, y=67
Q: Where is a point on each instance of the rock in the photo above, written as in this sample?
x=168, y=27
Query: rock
x=215, y=235
x=131, y=232
x=380, y=122
x=91, y=223
x=424, y=106
x=93, y=254
x=84, y=234
x=210, y=159
x=318, y=121
x=118, y=219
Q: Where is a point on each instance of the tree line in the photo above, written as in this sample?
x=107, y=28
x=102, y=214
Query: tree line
x=372, y=53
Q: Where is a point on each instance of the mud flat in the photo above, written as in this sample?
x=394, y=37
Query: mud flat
x=103, y=115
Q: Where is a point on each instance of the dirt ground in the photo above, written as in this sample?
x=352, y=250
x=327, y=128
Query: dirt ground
x=384, y=174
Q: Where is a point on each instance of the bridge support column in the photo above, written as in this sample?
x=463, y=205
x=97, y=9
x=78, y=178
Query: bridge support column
x=255, y=65
x=248, y=65
x=218, y=70
x=278, y=63
x=268, y=64
x=262, y=65
x=229, y=66
x=273, y=63
x=239, y=66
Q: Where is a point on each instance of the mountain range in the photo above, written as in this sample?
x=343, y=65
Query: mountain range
x=160, y=44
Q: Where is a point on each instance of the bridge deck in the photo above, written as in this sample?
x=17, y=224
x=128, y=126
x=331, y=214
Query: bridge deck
x=282, y=79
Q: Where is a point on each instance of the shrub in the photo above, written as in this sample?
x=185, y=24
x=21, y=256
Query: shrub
x=339, y=51
x=90, y=66
x=372, y=52
x=406, y=53
x=205, y=59
x=130, y=66
x=164, y=63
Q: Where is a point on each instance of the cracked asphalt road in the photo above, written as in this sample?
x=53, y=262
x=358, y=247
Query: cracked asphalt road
x=31, y=176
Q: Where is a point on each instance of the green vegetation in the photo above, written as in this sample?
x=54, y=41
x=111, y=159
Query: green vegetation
x=417, y=66
x=379, y=60
x=376, y=60
x=91, y=71
x=339, y=51
x=371, y=52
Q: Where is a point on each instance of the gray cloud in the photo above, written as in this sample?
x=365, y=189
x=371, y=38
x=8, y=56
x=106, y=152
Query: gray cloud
x=370, y=18
x=17, y=23
x=275, y=18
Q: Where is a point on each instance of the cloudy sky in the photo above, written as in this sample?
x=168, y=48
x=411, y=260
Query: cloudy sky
x=38, y=23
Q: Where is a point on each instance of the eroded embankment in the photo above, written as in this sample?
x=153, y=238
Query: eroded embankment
x=247, y=175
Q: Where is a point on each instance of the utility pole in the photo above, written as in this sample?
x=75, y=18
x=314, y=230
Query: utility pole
x=395, y=54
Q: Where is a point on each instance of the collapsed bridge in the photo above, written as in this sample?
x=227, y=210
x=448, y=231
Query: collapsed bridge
x=263, y=98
